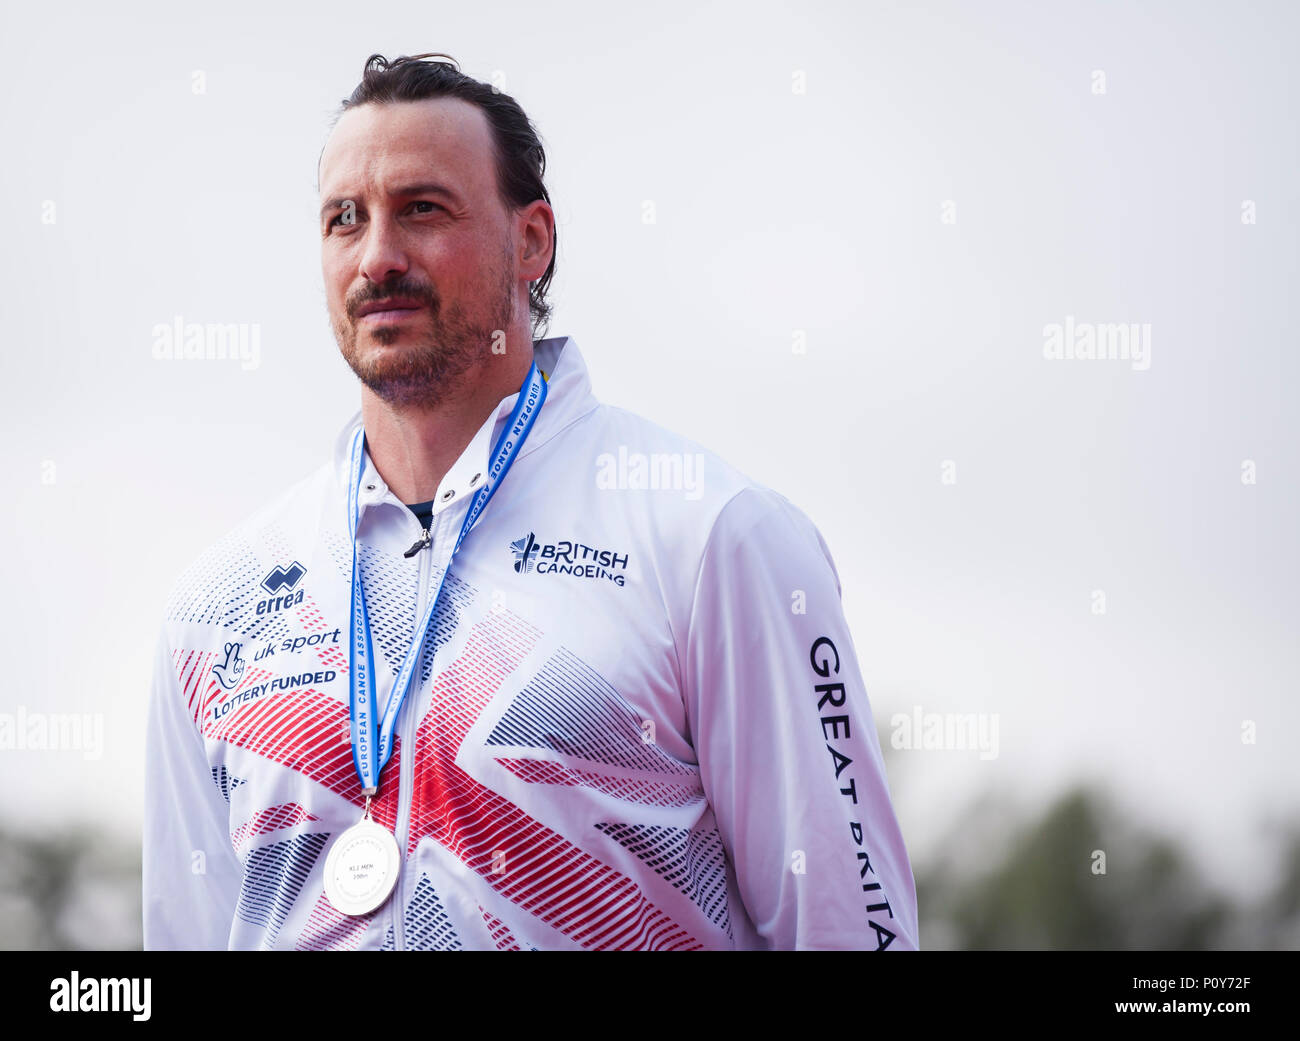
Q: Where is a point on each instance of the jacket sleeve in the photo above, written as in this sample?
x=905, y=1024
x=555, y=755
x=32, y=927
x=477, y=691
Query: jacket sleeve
x=785, y=738
x=191, y=877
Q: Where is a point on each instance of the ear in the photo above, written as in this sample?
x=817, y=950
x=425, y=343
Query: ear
x=536, y=232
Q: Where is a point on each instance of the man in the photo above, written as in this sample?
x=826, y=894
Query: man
x=618, y=707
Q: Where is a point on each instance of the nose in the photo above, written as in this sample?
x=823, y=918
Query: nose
x=383, y=256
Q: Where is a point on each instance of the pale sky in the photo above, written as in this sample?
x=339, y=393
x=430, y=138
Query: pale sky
x=917, y=190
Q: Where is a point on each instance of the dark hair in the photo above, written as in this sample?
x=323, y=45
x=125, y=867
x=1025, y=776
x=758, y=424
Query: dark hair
x=520, y=158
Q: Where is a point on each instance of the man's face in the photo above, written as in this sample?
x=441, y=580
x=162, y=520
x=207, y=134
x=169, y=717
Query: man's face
x=411, y=220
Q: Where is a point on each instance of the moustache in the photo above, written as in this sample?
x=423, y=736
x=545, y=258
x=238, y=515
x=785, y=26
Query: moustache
x=401, y=290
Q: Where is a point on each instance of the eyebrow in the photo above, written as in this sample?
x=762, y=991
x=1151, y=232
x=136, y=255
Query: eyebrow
x=430, y=188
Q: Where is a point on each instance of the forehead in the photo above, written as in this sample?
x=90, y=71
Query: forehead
x=376, y=146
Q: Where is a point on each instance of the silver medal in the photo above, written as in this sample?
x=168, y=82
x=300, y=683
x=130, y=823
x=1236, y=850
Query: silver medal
x=361, y=868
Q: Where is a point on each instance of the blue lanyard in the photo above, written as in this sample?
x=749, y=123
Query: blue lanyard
x=371, y=750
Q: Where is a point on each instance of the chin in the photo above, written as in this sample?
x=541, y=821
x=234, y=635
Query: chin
x=385, y=336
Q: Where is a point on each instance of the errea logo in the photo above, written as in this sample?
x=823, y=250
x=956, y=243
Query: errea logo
x=282, y=580
x=281, y=577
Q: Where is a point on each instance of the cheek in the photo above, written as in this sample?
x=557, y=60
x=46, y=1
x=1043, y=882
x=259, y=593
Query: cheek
x=336, y=284
x=452, y=266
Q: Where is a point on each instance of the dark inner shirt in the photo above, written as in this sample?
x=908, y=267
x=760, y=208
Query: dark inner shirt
x=423, y=512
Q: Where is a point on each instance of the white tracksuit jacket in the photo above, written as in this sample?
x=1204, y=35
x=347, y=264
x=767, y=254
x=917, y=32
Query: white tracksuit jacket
x=638, y=722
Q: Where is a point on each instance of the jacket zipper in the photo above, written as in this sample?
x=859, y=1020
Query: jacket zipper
x=408, y=712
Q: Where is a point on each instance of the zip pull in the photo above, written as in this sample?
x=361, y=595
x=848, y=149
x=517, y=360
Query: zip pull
x=423, y=541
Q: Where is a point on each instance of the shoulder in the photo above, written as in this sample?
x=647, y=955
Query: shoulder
x=693, y=505
x=632, y=453
x=228, y=570
x=718, y=498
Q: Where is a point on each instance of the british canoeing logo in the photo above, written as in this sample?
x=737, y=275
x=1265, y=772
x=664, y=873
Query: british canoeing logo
x=568, y=558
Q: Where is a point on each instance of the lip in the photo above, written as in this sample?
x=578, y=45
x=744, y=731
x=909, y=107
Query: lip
x=396, y=315
x=387, y=310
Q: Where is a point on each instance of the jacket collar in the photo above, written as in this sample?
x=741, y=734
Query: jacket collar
x=568, y=397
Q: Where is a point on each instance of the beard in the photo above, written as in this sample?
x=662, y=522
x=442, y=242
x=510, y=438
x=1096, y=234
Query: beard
x=431, y=367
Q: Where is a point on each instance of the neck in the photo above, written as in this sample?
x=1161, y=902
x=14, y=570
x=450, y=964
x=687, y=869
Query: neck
x=413, y=448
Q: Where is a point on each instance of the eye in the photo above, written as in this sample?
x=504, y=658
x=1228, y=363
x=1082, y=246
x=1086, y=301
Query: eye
x=426, y=202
